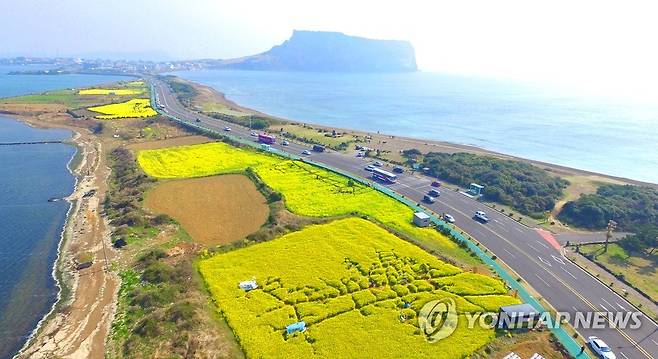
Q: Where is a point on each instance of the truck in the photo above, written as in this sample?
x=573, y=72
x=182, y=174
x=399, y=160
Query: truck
x=265, y=138
x=318, y=148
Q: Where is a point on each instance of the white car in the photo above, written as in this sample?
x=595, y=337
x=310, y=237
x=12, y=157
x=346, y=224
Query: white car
x=378, y=164
x=448, y=218
x=481, y=216
x=227, y=129
x=601, y=348
x=285, y=143
x=306, y=152
x=369, y=168
x=254, y=134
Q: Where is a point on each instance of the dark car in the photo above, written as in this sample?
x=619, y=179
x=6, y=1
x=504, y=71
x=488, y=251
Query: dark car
x=398, y=169
x=436, y=184
x=434, y=193
x=429, y=199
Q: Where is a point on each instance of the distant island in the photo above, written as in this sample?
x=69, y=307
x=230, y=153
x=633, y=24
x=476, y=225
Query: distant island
x=322, y=51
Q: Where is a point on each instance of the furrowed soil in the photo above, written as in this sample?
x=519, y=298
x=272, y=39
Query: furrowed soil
x=213, y=210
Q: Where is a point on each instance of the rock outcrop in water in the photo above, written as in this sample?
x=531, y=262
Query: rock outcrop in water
x=330, y=52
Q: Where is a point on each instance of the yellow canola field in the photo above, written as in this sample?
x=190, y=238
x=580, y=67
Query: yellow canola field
x=307, y=190
x=357, y=287
x=139, y=107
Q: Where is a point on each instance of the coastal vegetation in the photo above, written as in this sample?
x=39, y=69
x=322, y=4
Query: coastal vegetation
x=347, y=280
x=213, y=210
x=304, y=133
x=306, y=190
x=117, y=92
x=135, y=108
x=524, y=187
x=628, y=263
x=630, y=206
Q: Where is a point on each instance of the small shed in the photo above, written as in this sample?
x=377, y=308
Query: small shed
x=421, y=219
x=248, y=285
x=296, y=327
x=518, y=316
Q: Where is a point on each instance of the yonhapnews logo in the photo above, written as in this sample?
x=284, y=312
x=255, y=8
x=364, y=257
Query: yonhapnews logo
x=438, y=319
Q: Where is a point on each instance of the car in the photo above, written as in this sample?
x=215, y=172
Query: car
x=197, y=120
x=369, y=168
x=398, y=169
x=448, y=218
x=429, y=199
x=306, y=152
x=227, y=129
x=359, y=154
x=436, y=184
x=481, y=216
x=254, y=134
x=434, y=193
x=285, y=143
x=600, y=348
x=377, y=163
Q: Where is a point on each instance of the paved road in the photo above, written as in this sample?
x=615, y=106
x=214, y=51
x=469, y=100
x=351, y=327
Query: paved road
x=531, y=254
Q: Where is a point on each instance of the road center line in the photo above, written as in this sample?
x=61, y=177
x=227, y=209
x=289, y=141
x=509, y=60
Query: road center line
x=542, y=279
x=569, y=273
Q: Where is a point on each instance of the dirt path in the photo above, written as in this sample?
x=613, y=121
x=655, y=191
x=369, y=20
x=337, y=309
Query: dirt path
x=80, y=328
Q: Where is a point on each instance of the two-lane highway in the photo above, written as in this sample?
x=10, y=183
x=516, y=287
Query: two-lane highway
x=534, y=257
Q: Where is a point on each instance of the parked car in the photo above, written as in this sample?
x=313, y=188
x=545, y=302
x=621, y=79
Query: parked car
x=429, y=199
x=448, y=218
x=285, y=143
x=481, y=216
x=227, y=129
x=359, y=154
x=369, y=168
x=398, y=169
x=377, y=163
x=600, y=348
x=306, y=152
x=434, y=193
x=436, y=184
x=254, y=134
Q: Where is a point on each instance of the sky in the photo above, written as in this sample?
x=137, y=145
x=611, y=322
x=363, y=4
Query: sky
x=597, y=44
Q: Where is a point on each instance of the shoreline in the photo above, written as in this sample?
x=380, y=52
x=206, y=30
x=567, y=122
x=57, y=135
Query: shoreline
x=55, y=334
x=57, y=272
x=441, y=145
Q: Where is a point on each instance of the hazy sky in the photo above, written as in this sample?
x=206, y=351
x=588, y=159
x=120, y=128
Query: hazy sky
x=609, y=44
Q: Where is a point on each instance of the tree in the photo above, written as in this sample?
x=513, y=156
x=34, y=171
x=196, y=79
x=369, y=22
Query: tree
x=644, y=241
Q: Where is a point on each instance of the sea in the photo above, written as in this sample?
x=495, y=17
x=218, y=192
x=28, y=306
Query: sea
x=558, y=125
x=30, y=225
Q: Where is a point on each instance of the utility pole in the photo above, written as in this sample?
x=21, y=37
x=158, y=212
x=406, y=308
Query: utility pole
x=612, y=225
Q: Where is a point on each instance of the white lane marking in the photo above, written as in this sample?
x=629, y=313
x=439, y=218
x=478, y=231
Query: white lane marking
x=545, y=261
x=559, y=260
x=620, y=306
x=608, y=303
x=531, y=246
x=654, y=342
x=624, y=355
x=543, y=244
x=604, y=308
x=569, y=273
x=510, y=253
x=542, y=279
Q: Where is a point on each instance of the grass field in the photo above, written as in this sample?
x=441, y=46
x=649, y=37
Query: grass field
x=117, y=92
x=313, y=135
x=349, y=281
x=307, y=190
x=640, y=271
x=213, y=210
x=68, y=98
x=139, y=107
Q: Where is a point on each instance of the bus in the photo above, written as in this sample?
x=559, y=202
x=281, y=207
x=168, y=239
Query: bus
x=380, y=174
x=264, y=138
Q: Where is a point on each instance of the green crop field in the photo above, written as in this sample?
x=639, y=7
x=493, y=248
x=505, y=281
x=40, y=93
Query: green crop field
x=307, y=190
x=349, y=281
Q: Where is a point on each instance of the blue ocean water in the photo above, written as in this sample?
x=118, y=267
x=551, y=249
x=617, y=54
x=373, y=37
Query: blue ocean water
x=30, y=226
x=533, y=121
